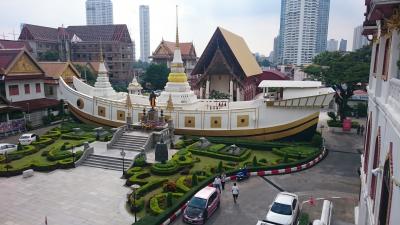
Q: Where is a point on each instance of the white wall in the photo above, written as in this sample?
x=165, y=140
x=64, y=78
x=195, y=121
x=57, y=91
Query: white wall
x=22, y=96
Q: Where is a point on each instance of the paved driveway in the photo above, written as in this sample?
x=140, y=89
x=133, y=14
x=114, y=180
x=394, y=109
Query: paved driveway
x=84, y=196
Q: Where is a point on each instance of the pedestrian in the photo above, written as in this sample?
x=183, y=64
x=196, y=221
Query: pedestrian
x=235, y=192
x=217, y=183
x=223, y=177
x=358, y=130
x=362, y=129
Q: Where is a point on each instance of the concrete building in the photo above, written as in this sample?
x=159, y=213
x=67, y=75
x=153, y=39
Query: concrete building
x=144, y=20
x=303, y=30
x=323, y=22
x=83, y=43
x=332, y=45
x=379, y=202
x=359, y=40
x=343, y=45
x=99, y=12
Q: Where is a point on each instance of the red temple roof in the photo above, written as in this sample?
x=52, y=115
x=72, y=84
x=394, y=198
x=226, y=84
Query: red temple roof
x=36, y=104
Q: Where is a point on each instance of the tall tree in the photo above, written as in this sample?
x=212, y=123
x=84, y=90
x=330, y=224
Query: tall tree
x=86, y=73
x=342, y=71
x=156, y=76
x=49, y=56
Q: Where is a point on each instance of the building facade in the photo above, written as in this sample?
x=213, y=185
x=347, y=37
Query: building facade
x=359, y=40
x=144, y=20
x=343, y=45
x=379, y=202
x=164, y=54
x=84, y=44
x=332, y=45
x=99, y=12
x=303, y=30
x=323, y=22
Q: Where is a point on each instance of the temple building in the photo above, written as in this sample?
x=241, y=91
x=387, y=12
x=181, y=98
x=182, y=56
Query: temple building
x=224, y=67
x=22, y=84
x=164, y=53
x=82, y=44
x=379, y=202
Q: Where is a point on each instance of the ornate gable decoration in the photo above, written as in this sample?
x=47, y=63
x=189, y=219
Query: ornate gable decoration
x=24, y=65
x=68, y=74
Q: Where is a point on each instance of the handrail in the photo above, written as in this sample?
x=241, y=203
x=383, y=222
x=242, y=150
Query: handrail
x=85, y=155
x=116, y=136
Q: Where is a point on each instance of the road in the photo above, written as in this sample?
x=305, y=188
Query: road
x=14, y=139
x=336, y=176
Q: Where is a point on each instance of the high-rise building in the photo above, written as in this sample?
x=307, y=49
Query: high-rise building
x=304, y=23
x=359, y=40
x=99, y=12
x=343, y=45
x=144, y=20
x=323, y=22
x=332, y=45
x=275, y=51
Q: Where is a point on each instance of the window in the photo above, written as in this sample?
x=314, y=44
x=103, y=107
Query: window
x=51, y=91
x=294, y=203
x=386, y=60
x=38, y=88
x=27, y=88
x=13, y=89
x=376, y=57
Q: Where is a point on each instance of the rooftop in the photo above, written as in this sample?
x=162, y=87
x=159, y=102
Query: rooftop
x=205, y=193
x=289, y=84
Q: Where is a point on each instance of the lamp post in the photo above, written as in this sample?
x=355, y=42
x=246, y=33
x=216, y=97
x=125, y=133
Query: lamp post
x=29, y=116
x=134, y=189
x=73, y=156
x=123, y=153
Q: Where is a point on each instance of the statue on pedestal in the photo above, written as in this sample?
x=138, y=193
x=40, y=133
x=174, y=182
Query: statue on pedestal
x=152, y=99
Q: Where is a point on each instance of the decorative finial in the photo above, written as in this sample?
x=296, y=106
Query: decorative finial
x=177, y=33
x=101, y=51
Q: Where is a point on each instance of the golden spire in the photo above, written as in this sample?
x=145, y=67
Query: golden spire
x=128, y=102
x=177, y=33
x=101, y=51
x=170, y=104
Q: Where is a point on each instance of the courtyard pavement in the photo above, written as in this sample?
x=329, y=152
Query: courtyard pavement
x=80, y=196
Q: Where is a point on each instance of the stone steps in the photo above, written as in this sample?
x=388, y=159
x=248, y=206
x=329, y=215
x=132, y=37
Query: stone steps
x=130, y=142
x=106, y=162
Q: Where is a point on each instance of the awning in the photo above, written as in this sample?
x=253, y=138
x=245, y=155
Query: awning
x=36, y=104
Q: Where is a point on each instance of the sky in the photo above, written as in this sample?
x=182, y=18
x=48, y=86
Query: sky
x=257, y=21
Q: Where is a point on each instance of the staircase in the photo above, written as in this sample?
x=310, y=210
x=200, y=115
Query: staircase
x=106, y=162
x=130, y=142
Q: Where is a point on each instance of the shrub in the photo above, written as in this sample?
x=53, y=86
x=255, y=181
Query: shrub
x=164, y=168
x=216, y=147
x=181, y=184
x=255, y=161
x=182, y=158
x=19, y=147
x=154, y=207
x=286, y=158
x=246, y=154
x=136, y=205
x=185, y=171
x=316, y=140
x=263, y=160
x=304, y=219
x=43, y=142
x=195, y=180
x=219, y=168
x=138, y=178
x=45, y=153
x=132, y=171
x=169, y=199
x=180, y=144
x=150, y=186
x=139, y=161
x=169, y=186
x=66, y=163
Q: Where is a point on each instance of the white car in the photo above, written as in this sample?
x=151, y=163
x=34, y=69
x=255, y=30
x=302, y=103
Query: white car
x=283, y=211
x=27, y=139
x=5, y=147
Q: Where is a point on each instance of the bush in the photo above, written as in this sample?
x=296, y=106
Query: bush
x=43, y=142
x=181, y=185
x=139, y=161
x=139, y=204
x=285, y=158
x=132, y=171
x=263, y=160
x=221, y=156
x=195, y=180
x=150, y=186
x=304, y=219
x=255, y=161
x=167, y=168
x=72, y=136
x=316, y=140
x=216, y=147
x=138, y=178
x=169, y=199
x=169, y=186
x=19, y=147
x=154, y=207
x=220, y=167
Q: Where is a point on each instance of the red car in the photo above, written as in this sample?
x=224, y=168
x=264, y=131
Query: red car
x=202, y=206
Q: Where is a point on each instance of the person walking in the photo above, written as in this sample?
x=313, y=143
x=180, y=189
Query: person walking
x=223, y=177
x=217, y=183
x=362, y=129
x=235, y=192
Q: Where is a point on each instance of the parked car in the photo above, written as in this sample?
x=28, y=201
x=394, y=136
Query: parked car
x=284, y=210
x=27, y=139
x=5, y=147
x=242, y=174
x=202, y=205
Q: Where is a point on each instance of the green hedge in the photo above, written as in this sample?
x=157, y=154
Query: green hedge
x=247, y=143
x=43, y=142
x=130, y=172
x=53, y=134
x=154, y=202
x=138, y=178
x=295, y=152
x=168, y=168
x=215, y=147
x=138, y=206
x=72, y=136
x=183, y=160
x=180, y=184
x=150, y=186
x=221, y=156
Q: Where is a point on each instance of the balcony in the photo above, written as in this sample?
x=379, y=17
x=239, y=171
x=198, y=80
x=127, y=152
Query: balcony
x=393, y=99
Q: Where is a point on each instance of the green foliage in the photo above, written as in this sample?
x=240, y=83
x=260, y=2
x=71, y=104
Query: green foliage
x=316, y=140
x=297, y=152
x=246, y=143
x=255, y=163
x=285, y=158
x=169, y=186
x=216, y=147
x=150, y=186
x=332, y=115
x=245, y=155
x=304, y=219
x=138, y=178
x=169, y=199
x=86, y=73
x=49, y=56
x=339, y=68
x=195, y=180
x=220, y=167
x=218, y=95
x=156, y=76
x=140, y=161
x=154, y=206
x=168, y=168
x=361, y=109
x=19, y=147
x=133, y=170
x=181, y=184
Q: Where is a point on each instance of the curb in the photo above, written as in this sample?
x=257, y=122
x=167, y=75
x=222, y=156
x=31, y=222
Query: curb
x=288, y=170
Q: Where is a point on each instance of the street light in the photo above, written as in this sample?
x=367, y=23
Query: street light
x=134, y=189
x=123, y=153
x=73, y=156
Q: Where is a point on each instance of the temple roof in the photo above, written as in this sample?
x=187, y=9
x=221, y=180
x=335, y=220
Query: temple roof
x=235, y=51
x=57, y=69
x=18, y=61
x=10, y=44
x=94, y=33
x=166, y=48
